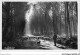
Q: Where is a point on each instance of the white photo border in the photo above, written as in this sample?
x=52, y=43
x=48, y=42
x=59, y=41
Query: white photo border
x=33, y=52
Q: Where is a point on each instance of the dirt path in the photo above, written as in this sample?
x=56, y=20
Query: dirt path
x=43, y=44
x=48, y=45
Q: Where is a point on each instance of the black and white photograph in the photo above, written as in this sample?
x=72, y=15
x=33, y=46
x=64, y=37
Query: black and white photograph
x=40, y=25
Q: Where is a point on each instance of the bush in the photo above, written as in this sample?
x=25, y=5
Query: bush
x=71, y=42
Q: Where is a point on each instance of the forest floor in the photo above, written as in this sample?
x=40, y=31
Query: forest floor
x=35, y=44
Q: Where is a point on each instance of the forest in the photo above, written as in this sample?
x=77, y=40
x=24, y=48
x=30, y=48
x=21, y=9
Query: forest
x=44, y=18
